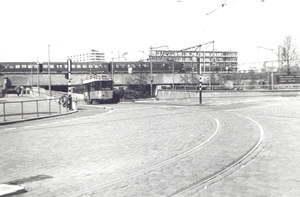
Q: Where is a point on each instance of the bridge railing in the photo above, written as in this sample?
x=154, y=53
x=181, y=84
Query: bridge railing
x=29, y=108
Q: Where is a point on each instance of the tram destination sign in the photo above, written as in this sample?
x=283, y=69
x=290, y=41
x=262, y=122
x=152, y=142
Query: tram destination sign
x=289, y=78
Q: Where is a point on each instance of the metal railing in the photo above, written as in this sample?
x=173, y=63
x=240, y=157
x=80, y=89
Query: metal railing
x=236, y=87
x=31, y=108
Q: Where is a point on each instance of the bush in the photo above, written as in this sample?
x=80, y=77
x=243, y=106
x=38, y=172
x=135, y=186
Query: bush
x=127, y=94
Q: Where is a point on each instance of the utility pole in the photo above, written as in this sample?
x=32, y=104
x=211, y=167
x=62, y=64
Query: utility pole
x=151, y=77
x=38, y=78
x=272, y=74
x=214, y=63
x=112, y=68
x=69, y=63
x=151, y=66
x=200, y=78
x=31, y=88
x=49, y=75
x=112, y=63
x=199, y=68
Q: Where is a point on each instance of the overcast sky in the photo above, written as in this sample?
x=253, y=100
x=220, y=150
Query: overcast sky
x=112, y=26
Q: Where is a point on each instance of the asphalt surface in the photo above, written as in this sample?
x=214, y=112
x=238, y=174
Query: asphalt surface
x=154, y=148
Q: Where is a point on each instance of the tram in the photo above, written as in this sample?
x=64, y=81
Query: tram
x=98, y=89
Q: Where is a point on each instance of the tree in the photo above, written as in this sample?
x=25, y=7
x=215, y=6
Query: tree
x=138, y=82
x=289, y=55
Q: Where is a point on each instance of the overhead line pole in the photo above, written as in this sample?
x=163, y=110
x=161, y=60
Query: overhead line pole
x=151, y=71
x=200, y=78
x=199, y=45
x=272, y=74
x=199, y=67
x=210, y=88
x=49, y=74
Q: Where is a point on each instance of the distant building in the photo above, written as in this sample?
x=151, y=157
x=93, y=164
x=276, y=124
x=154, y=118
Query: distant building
x=92, y=56
x=258, y=67
x=224, y=60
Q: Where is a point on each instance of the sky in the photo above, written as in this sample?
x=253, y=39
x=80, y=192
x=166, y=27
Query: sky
x=117, y=26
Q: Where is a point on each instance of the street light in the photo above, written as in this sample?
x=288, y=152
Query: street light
x=272, y=77
x=49, y=74
x=151, y=72
x=280, y=62
x=200, y=69
x=38, y=78
x=112, y=62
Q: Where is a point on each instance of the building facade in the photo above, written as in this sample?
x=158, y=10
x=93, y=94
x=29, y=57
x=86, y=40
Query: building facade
x=92, y=56
x=210, y=61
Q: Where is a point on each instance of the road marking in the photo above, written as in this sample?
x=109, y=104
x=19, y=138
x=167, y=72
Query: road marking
x=42, y=124
x=28, y=126
x=10, y=129
x=66, y=121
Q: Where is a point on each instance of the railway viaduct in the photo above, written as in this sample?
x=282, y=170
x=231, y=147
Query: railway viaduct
x=58, y=80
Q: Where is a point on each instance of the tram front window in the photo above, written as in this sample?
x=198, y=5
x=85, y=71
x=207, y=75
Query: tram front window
x=106, y=85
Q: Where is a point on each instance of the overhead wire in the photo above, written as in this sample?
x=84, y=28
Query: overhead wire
x=222, y=6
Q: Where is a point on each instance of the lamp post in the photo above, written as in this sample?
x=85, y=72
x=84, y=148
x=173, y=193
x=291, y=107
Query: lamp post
x=210, y=87
x=272, y=68
x=112, y=63
x=38, y=78
x=49, y=74
x=173, y=75
x=280, y=62
x=151, y=72
x=31, y=88
x=200, y=77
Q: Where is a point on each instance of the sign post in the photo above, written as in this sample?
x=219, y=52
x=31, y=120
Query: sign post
x=69, y=84
x=200, y=78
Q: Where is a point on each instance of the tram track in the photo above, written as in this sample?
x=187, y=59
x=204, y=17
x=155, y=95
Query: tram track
x=211, y=177
x=154, y=167
x=214, y=175
x=192, y=152
x=227, y=168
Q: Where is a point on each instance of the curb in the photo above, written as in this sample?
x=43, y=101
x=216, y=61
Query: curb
x=35, y=118
x=8, y=190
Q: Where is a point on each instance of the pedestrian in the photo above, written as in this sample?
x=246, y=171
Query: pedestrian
x=22, y=90
x=18, y=89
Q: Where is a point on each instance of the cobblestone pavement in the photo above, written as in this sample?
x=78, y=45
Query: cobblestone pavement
x=275, y=171
x=156, y=150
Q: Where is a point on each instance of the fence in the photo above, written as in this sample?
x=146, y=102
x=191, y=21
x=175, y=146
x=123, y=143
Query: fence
x=235, y=87
x=194, y=94
x=29, y=108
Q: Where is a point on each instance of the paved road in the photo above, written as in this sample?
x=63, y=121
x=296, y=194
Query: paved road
x=275, y=171
x=157, y=150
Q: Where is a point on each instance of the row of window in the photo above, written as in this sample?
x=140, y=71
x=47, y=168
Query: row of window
x=80, y=66
x=193, y=59
x=88, y=54
x=187, y=65
x=166, y=53
x=99, y=85
x=97, y=66
x=62, y=66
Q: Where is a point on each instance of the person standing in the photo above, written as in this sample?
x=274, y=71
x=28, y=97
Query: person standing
x=22, y=90
x=18, y=89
